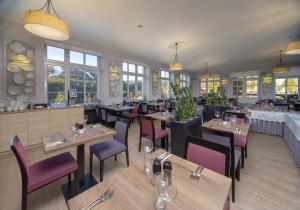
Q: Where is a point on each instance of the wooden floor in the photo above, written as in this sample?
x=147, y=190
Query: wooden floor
x=270, y=179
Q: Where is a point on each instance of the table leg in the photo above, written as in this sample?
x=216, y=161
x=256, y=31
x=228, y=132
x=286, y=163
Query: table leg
x=163, y=140
x=80, y=161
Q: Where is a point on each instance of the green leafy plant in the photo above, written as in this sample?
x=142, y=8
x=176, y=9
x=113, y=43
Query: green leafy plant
x=219, y=98
x=185, y=103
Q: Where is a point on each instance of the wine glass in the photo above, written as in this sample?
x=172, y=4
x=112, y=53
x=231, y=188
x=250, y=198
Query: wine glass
x=217, y=114
x=148, y=147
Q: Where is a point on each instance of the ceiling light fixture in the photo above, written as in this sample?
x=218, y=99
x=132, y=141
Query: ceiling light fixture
x=293, y=48
x=176, y=65
x=43, y=24
x=206, y=75
x=280, y=69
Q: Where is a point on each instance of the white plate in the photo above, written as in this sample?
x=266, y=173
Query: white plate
x=22, y=97
x=28, y=68
x=28, y=90
x=19, y=78
x=30, y=75
x=14, y=90
x=29, y=83
x=11, y=67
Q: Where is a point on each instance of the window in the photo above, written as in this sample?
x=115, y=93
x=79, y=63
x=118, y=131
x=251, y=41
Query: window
x=55, y=84
x=286, y=88
x=245, y=87
x=210, y=85
x=55, y=53
x=164, y=84
x=133, y=81
x=184, y=80
x=81, y=72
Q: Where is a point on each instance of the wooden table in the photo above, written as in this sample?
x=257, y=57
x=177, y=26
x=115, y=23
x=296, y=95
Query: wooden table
x=97, y=132
x=133, y=190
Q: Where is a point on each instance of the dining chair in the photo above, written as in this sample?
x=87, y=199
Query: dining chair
x=133, y=114
x=168, y=105
x=148, y=130
x=210, y=155
x=240, y=140
x=226, y=139
x=144, y=108
x=44, y=172
x=107, y=118
x=109, y=148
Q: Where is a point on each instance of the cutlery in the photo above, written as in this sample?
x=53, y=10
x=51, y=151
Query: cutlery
x=106, y=192
x=161, y=156
x=166, y=157
x=197, y=173
x=105, y=198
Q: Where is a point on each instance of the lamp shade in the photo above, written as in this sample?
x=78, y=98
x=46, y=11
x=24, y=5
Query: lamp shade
x=280, y=70
x=46, y=26
x=177, y=66
x=293, y=48
x=206, y=76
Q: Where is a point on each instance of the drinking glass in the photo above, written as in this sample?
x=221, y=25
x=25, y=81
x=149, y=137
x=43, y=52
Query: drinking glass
x=217, y=114
x=148, y=157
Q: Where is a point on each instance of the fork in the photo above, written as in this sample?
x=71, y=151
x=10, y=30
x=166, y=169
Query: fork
x=106, y=192
x=105, y=198
x=161, y=156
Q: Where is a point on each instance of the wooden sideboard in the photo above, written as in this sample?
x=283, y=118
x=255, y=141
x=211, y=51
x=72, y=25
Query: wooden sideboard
x=32, y=124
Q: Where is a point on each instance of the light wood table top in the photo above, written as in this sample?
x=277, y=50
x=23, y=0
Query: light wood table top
x=133, y=190
x=118, y=108
x=89, y=134
x=163, y=116
x=217, y=125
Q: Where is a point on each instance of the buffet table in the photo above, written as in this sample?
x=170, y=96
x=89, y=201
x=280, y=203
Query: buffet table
x=285, y=124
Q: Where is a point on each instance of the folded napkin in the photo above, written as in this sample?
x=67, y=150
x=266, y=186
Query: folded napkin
x=52, y=144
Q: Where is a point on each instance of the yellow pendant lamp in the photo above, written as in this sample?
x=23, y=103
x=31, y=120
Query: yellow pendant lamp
x=280, y=69
x=45, y=25
x=293, y=48
x=176, y=65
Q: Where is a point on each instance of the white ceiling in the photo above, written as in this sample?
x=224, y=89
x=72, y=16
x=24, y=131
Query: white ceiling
x=229, y=34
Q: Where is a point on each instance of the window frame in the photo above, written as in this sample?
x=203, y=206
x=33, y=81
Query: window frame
x=161, y=78
x=184, y=80
x=68, y=67
x=286, y=85
x=214, y=80
x=244, y=80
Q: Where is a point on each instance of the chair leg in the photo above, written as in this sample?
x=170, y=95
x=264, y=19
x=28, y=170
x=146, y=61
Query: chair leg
x=76, y=182
x=116, y=158
x=238, y=171
x=91, y=162
x=243, y=156
x=69, y=179
x=140, y=144
x=153, y=142
x=246, y=151
x=101, y=170
x=127, y=157
x=233, y=189
x=24, y=198
x=167, y=143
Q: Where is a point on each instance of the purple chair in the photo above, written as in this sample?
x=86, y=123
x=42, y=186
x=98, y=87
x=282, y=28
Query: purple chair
x=226, y=139
x=109, y=148
x=133, y=114
x=107, y=118
x=168, y=105
x=210, y=155
x=148, y=130
x=43, y=172
x=145, y=108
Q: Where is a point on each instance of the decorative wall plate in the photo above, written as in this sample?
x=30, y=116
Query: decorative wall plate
x=29, y=75
x=28, y=68
x=22, y=97
x=14, y=90
x=11, y=67
x=29, y=83
x=18, y=78
x=28, y=90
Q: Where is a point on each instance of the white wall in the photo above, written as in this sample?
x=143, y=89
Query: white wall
x=14, y=31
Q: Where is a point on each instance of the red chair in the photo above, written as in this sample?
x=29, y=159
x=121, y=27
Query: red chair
x=43, y=172
x=133, y=114
x=209, y=155
x=148, y=130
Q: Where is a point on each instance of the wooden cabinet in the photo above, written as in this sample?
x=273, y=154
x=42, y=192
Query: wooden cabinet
x=31, y=125
x=76, y=115
x=59, y=120
x=12, y=124
x=38, y=125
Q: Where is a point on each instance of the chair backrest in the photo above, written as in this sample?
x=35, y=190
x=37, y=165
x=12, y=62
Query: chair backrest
x=21, y=155
x=208, y=154
x=168, y=104
x=103, y=114
x=97, y=112
x=144, y=107
x=162, y=105
x=147, y=126
x=240, y=116
x=222, y=138
x=121, y=132
x=136, y=109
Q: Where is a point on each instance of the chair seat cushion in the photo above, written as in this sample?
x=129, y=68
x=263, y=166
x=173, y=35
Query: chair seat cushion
x=237, y=156
x=240, y=140
x=51, y=169
x=160, y=133
x=107, y=148
x=130, y=114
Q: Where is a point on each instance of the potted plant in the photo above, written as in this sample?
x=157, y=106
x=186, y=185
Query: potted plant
x=186, y=122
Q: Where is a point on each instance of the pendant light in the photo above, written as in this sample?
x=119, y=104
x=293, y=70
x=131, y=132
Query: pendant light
x=280, y=69
x=206, y=75
x=176, y=65
x=44, y=24
x=293, y=48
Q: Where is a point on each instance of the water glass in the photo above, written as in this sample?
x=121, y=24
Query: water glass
x=148, y=157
